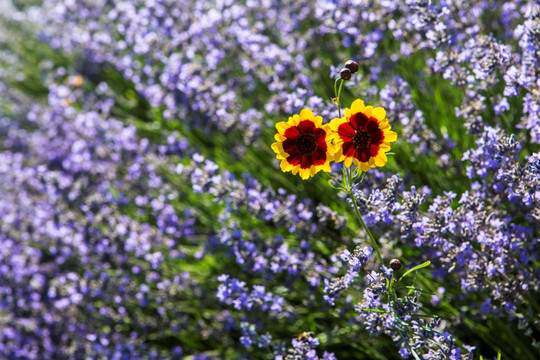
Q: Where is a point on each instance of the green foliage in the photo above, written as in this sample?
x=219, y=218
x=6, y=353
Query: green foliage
x=430, y=93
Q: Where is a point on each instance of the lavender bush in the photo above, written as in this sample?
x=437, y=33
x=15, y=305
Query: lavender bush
x=143, y=214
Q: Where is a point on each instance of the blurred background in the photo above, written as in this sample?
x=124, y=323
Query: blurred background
x=143, y=214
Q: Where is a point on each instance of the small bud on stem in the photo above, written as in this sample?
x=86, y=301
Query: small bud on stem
x=352, y=65
x=345, y=74
x=395, y=264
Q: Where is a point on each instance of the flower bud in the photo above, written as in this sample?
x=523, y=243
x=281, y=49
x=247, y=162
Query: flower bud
x=352, y=65
x=345, y=74
x=395, y=264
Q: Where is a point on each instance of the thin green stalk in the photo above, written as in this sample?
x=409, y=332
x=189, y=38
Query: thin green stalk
x=338, y=96
x=404, y=339
x=335, y=89
x=373, y=241
x=375, y=311
x=391, y=291
x=348, y=178
x=341, y=187
x=361, y=220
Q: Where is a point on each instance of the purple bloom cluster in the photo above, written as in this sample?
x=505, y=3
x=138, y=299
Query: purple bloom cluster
x=303, y=347
x=73, y=261
x=402, y=320
x=233, y=291
x=180, y=54
x=116, y=230
x=473, y=59
x=487, y=241
x=91, y=223
x=334, y=288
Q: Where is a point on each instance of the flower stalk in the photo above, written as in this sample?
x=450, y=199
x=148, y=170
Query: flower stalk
x=360, y=139
x=350, y=180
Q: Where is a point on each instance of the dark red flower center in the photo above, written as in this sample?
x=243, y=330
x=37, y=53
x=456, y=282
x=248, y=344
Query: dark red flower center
x=361, y=139
x=306, y=144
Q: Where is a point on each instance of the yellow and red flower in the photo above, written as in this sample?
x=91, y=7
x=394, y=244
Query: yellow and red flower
x=363, y=136
x=303, y=144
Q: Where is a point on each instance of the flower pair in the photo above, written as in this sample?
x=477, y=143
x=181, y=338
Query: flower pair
x=305, y=146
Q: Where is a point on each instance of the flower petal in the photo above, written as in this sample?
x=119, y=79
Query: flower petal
x=338, y=141
x=390, y=136
x=285, y=166
x=289, y=146
x=359, y=121
x=338, y=156
x=363, y=155
x=293, y=120
x=306, y=126
x=319, y=134
x=372, y=125
x=282, y=126
x=346, y=131
x=348, y=149
x=379, y=113
x=377, y=137
x=318, y=157
x=295, y=158
x=325, y=167
x=357, y=106
x=292, y=132
x=364, y=166
x=373, y=150
x=304, y=173
x=278, y=149
x=331, y=149
x=381, y=159
x=347, y=113
x=335, y=123
x=383, y=124
x=348, y=161
x=306, y=114
x=306, y=162
x=368, y=110
x=318, y=121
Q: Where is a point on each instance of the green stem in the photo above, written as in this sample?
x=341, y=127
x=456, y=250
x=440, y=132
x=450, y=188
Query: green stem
x=375, y=311
x=348, y=178
x=361, y=220
x=338, y=96
x=341, y=187
x=390, y=289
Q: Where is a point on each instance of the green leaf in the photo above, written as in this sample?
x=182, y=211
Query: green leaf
x=418, y=267
x=375, y=311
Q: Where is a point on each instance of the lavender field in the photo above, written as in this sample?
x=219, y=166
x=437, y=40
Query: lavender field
x=269, y=179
